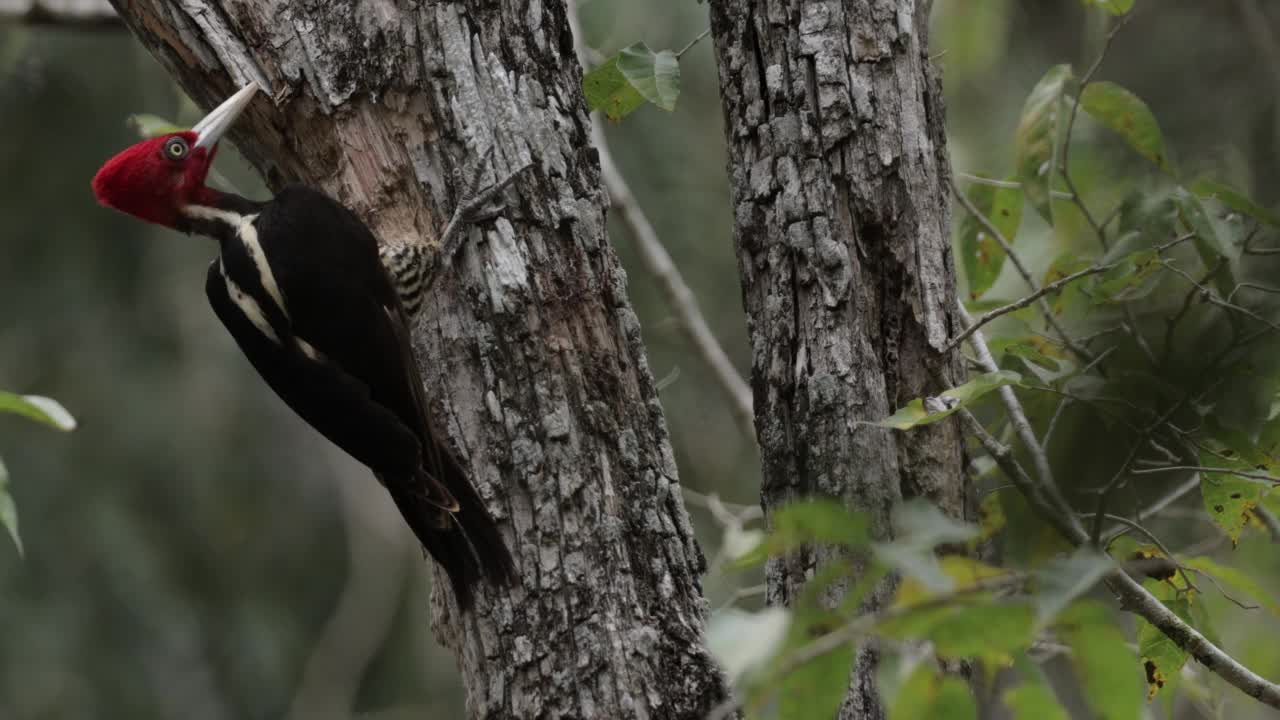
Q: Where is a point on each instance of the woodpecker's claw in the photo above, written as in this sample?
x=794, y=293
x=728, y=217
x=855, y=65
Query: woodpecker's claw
x=476, y=206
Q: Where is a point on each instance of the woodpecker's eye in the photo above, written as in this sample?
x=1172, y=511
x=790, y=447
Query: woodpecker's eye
x=175, y=148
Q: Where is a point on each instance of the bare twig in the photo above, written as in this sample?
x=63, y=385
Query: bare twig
x=1209, y=296
x=1157, y=506
x=693, y=42
x=1098, y=228
x=658, y=262
x=1267, y=479
x=1052, y=287
x=1045, y=310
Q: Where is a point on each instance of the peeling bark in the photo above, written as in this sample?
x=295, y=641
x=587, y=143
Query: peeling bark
x=527, y=343
x=837, y=161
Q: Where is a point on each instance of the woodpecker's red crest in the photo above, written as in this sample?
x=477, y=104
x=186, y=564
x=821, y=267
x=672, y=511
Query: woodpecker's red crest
x=156, y=178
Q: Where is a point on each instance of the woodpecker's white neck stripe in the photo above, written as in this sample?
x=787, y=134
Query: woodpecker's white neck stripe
x=243, y=227
x=248, y=305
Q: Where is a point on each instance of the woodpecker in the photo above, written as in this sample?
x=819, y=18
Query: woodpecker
x=300, y=286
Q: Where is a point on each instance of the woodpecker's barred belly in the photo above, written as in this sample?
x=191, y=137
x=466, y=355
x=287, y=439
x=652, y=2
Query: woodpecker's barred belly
x=407, y=263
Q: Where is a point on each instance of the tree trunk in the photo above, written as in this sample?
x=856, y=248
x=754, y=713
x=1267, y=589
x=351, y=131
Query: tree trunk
x=838, y=166
x=528, y=345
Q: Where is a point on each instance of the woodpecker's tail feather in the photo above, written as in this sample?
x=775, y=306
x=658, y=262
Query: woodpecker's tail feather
x=466, y=542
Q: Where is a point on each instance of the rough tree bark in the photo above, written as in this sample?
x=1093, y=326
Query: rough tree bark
x=837, y=160
x=529, y=347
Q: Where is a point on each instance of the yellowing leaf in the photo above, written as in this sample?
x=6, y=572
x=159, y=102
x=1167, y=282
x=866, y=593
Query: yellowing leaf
x=980, y=252
x=923, y=411
x=1128, y=116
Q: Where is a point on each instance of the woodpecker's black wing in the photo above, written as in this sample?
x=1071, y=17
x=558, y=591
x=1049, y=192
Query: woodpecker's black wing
x=337, y=351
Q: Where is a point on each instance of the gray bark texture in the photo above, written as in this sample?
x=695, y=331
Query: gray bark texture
x=837, y=160
x=528, y=345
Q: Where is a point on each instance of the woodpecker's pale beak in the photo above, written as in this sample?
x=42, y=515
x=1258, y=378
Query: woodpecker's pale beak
x=210, y=130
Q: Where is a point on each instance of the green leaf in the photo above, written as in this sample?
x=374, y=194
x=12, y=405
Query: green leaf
x=920, y=528
x=929, y=695
x=656, y=76
x=149, y=126
x=1229, y=498
x=1064, y=580
x=809, y=522
x=1126, y=114
x=1161, y=657
x=1107, y=668
x=8, y=510
x=1033, y=350
x=964, y=572
x=980, y=252
x=1210, y=232
x=742, y=642
x=607, y=89
x=1132, y=278
x=38, y=408
x=990, y=631
x=923, y=411
x=1038, y=139
x=625, y=81
x=815, y=689
x=1206, y=188
x=1115, y=7
x=1237, y=580
x=1034, y=702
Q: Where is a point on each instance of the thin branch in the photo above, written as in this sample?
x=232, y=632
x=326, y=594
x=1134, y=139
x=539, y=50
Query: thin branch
x=1267, y=479
x=1209, y=296
x=1135, y=525
x=1098, y=228
x=1269, y=521
x=1006, y=184
x=1133, y=596
x=1157, y=506
x=1018, y=419
x=693, y=42
x=658, y=262
x=1016, y=305
x=1045, y=310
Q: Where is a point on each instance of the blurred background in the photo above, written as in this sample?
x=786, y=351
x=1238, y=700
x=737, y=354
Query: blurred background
x=193, y=550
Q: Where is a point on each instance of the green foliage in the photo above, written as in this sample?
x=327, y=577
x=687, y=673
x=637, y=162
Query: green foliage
x=1039, y=138
x=1229, y=498
x=1034, y=701
x=8, y=510
x=1104, y=664
x=149, y=126
x=1123, y=112
x=41, y=409
x=45, y=411
x=1161, y=657
x=924, y=411
x=624, y=82
x=930, y=695
x=980, y=252
x=809, y=522
x=1064, y=580
x=1115, y=7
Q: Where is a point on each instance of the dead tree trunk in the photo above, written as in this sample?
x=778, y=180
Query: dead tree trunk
x=528, y=344
x=838, y=167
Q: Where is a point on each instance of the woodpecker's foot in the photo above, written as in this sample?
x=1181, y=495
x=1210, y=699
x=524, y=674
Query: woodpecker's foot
x=476, y=206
